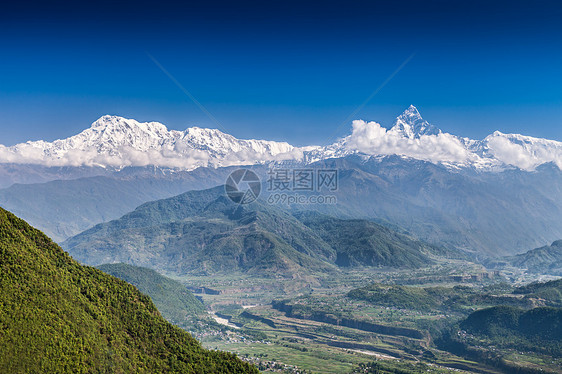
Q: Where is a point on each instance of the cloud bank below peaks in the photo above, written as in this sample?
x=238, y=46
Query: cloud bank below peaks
x=411, y=136
x=118, y=142
x=524, y=152
x=371, y=138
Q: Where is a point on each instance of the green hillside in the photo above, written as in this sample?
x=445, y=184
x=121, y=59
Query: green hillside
x=204, y=232
x=59, y=316
x=538, y=329
x=550, y=293
x=176, y=303
x=458, y=298
x=543, y=260
x=364, y=243
x=536, y=287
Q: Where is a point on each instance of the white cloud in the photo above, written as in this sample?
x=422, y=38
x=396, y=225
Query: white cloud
x=122, y=156
x=179, y=156
x=524, y=152
x=117, y=142
x=372, y=138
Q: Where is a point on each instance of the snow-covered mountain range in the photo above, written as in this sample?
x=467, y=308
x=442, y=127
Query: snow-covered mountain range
x=116, y=142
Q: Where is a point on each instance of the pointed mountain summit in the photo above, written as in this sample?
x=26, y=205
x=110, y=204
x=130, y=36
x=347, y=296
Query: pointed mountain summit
x=119, y=123
x=412, y=125
x=117, y=142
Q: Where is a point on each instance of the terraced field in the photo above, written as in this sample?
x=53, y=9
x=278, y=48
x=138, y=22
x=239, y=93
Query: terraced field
x=277, y=340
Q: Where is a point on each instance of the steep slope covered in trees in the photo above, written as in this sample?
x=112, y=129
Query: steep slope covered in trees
x=59, y=316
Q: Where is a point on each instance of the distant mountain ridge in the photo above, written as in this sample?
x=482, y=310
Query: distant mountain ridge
x=64, y=208
x=542, y=260
x=446, y=190
x=114, y=142
x=360, y=242
x=205, y=232
x=117, y=142
x=486, y=213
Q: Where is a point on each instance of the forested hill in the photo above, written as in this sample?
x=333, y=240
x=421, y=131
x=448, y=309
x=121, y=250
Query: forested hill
x=59, y=316
x=176, y=303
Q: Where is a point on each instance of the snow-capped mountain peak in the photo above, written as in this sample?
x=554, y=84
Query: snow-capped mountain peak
x=113, y=131
x=524, y=152
x=412, y=136
x=113, y=141
x=117, y=142
x=115, y=124
x=411, y=124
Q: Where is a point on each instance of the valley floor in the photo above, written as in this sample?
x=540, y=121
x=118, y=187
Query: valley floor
x=277, y=340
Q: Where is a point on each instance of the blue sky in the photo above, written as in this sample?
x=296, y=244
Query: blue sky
x=282, y=70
